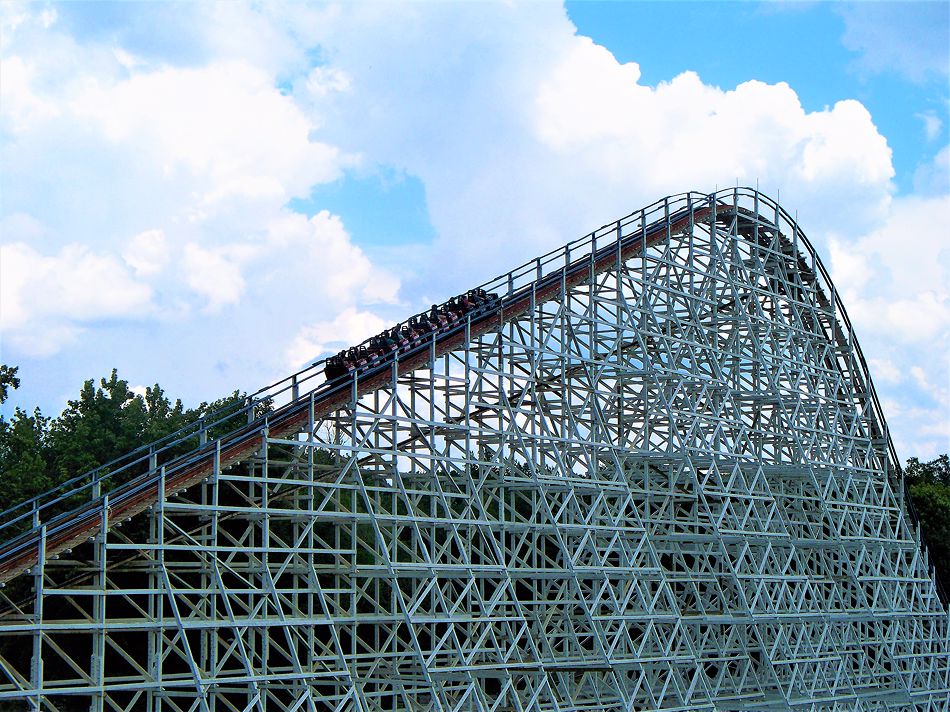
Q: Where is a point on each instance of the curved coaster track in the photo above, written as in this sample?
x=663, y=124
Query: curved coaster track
x=646, y=471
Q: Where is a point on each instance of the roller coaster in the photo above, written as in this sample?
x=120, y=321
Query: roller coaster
x=645, y=471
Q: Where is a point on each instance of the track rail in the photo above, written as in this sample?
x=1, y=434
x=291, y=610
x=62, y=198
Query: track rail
x=65, y=531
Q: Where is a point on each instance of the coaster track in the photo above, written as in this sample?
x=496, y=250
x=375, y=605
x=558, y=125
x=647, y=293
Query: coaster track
x=66, y=530
x=645, y=471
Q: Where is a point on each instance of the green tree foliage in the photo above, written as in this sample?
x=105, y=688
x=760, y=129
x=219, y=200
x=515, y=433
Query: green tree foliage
x=105, y=422
x=8, y=380
x=24, y=470
x=99, y=426
x=928, y=484
x=935, y=471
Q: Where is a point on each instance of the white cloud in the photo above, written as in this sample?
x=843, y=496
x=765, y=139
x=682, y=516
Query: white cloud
x=22, y=107
x=920, y=318
x=45, y=299
x=885, y=371
x=75, y=283
x=226, y=122
x=524, y=135
x=909, y=253
x=22, y=228
x=932, y=124
x=44, y=342
x=323, y=81
x=213, y=274
x=347, y=328
x=176, y=177
x=895, y=284
x=341, y=268
x=910, y=38
x=919, y=432
x=47, y=17
x=851, y=268
x=547, y=135
x=933, y=177
x=147, y=253
x=920, y=377
x=685, y=133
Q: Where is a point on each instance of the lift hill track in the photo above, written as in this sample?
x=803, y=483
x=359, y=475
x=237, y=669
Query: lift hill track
x=644, y=229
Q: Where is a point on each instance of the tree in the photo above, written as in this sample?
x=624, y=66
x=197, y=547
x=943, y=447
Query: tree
x=935, y=471
x=161, y=416
x=23, y=466
x=928, y=484
x=105, y=422
x=24, y=470
x=8, y=380
x=99, y=426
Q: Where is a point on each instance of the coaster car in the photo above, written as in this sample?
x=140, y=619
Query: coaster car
x=409, y=335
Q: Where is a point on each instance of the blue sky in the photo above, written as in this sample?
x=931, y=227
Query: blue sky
x=211, y=195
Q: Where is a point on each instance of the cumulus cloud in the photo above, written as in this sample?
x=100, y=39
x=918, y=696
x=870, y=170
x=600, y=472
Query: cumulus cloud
x=910, y=38
x=547, y=135
x=45, y=299
x=933, y=177
x=225, y=122
x=214, y=274
x=342, y=270
x=906, y=261
x=320, y=338
x=885, y=371
x=932, y=124
x=147, y=253
x=917, y=431
x=21, y=106
x=895, y=284
x=178, y=154
x=176, y=177
x=755, y=132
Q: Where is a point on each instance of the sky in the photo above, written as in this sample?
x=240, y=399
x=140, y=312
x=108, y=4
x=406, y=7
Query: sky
x=211, y=196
